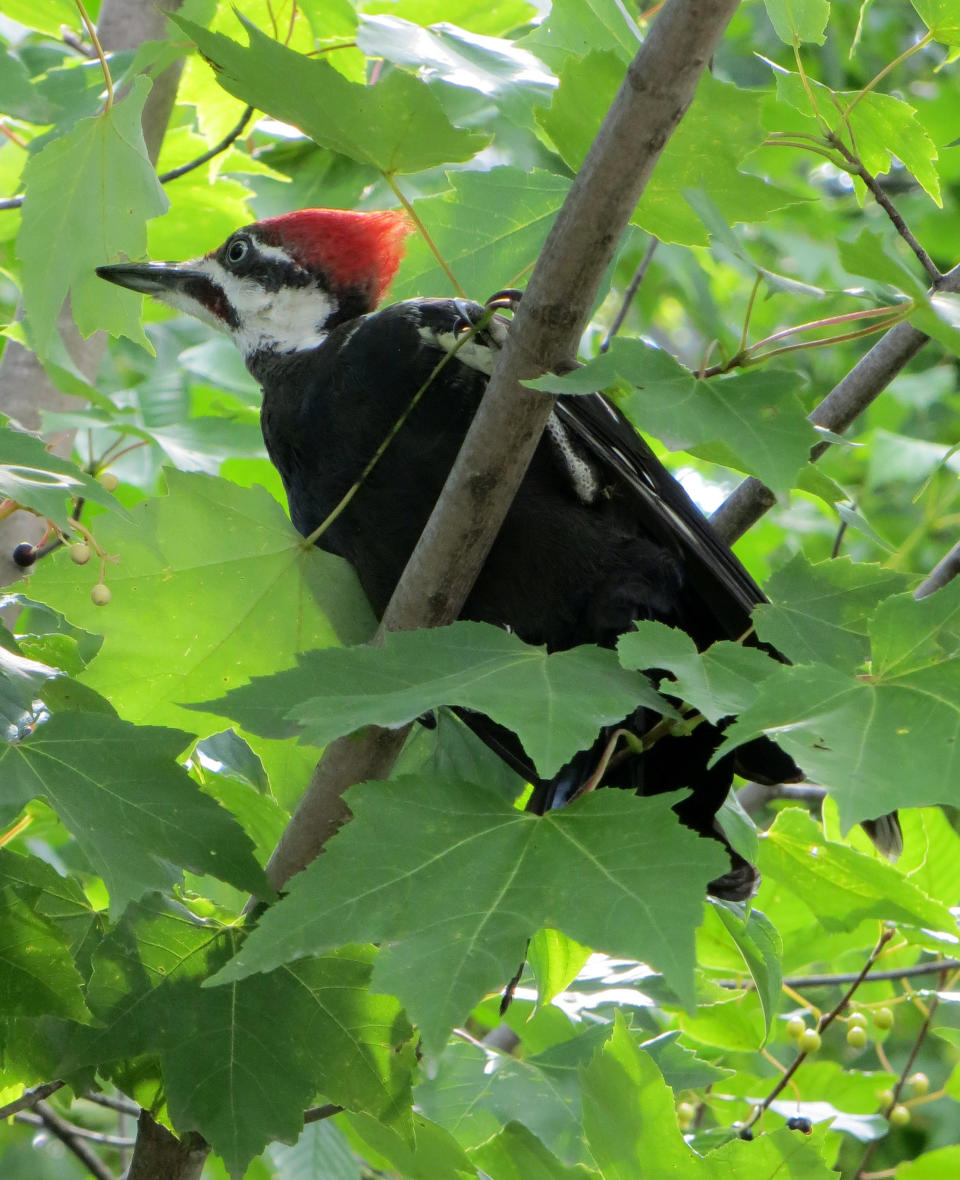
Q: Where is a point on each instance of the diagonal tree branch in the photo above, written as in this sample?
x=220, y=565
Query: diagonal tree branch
x=658, y=87
x=868, y=378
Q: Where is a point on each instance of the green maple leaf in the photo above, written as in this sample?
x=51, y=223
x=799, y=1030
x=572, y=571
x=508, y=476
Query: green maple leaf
x=131, y=808
x=95, y=188
x=455, y=880
x=241, y=1063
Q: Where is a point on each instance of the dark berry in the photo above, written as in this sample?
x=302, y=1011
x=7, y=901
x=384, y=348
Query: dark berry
x=799, y=1123
x=24, y=555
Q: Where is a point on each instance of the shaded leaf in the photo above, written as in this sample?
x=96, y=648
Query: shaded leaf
x=428, y=1153
x=881, y=740
x=38, y=976
x=133, y=810
x=719, y=681
x=475, y=1091
x=241, y=1063
x=682, y=1069
x=616, y=873
x=820, y=613
x=752, y=420
x=515, y=1153
x=555, y=703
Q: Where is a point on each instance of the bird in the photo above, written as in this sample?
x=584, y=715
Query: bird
x=599, y=536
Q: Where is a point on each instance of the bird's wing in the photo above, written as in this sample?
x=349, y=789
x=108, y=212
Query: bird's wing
x=714, y=574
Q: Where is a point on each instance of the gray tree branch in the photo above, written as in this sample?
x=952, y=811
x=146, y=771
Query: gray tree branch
x=946, y=569
x=868, y=378
x=658, y=88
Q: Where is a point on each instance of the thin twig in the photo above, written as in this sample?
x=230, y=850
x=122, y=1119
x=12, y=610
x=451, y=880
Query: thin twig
x=856, y=167
x=317, y=1113
x=868, y=378
x=77, y=43
x=823, y=1023
x=901, y=1080
x=632, y=287
x=123, y=1105
x=946, y=569
x=838, y=540
x=230, y=138
x=30, y=1098
x=68, y=1137
x=802, y=982
x=30, y=1118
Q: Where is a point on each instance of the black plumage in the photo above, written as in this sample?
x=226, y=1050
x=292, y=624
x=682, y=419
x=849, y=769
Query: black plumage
x=567, y=567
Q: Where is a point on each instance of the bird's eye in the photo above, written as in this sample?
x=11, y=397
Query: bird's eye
x=238, y=249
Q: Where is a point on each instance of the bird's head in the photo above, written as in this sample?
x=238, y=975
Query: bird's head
x=280, y=285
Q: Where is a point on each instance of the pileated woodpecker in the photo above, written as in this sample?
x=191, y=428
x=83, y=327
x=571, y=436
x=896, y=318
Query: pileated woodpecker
x=600, y=534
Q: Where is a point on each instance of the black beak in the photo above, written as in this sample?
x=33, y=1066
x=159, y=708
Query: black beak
x=151, y=278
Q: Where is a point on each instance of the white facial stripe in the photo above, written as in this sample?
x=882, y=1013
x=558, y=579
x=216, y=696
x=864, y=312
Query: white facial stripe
x=289, y=320
x=275, y=253
x=181, y=301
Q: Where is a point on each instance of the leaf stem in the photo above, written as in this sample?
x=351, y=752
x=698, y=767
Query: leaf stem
x=921, y=44
x=846, y=317
x=88, y=24
x=422, y=229
x=749, y=313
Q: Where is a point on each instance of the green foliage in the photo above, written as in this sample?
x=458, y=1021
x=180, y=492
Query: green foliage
x=135, y=826
x=556, y=704
x=111, y=190
x=488, y=875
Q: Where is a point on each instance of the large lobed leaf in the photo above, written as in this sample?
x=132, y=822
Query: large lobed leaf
x=455, y=880
x=556, y=703
x=879, y=740
x=95, y=188
x=488, y=229
x=241, y=1063
x=382, y=125
x=132, y=809
x=212, y=586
